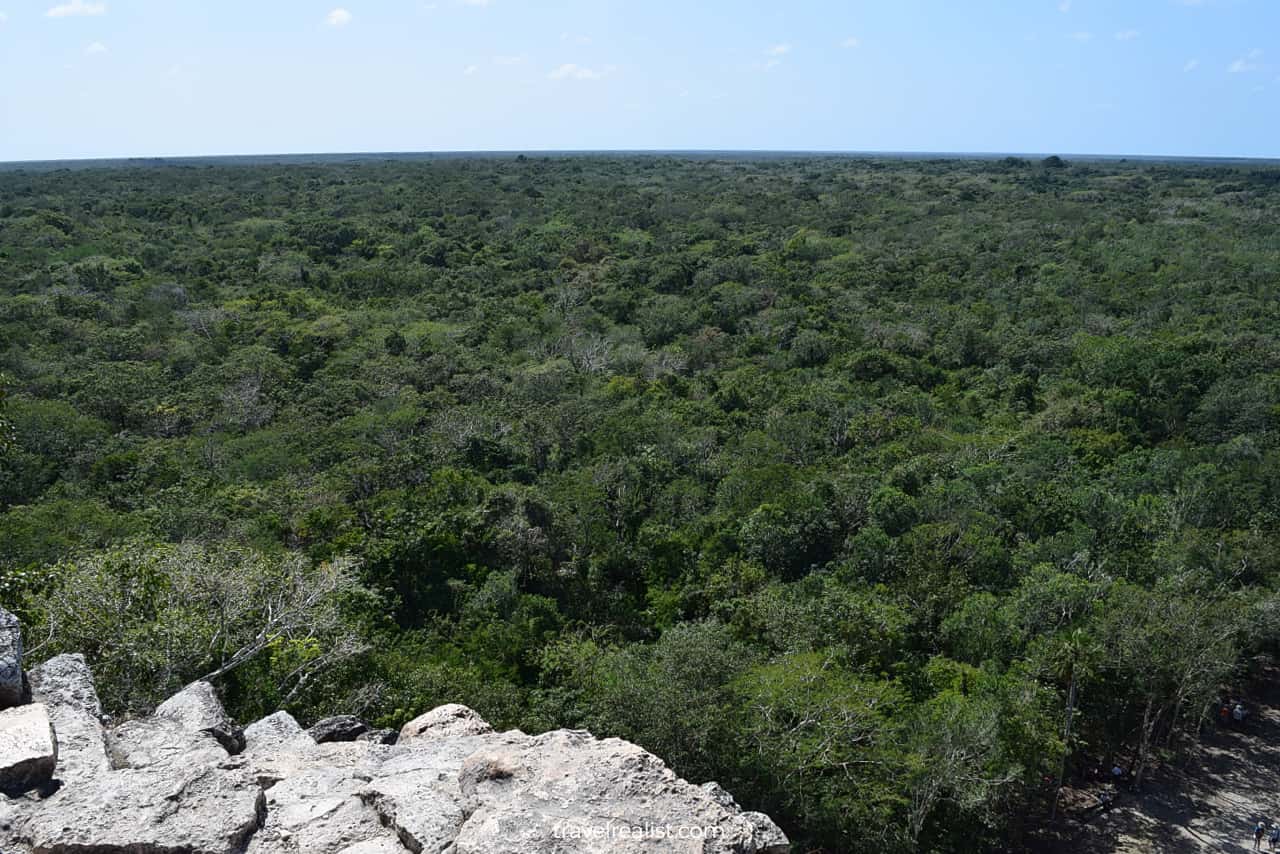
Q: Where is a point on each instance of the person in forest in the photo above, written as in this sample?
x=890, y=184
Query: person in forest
x=1258, y=830
x=1274, y=836
x=1238, y=714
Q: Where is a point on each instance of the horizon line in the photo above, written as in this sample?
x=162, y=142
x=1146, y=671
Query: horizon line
x=481, y=153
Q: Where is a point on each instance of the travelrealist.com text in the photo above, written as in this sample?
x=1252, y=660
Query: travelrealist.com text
x=619, y=831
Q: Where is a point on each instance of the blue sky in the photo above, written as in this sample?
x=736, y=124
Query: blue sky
x=83, y=78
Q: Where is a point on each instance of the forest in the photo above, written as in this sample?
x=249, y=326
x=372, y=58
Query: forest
x=886, y=492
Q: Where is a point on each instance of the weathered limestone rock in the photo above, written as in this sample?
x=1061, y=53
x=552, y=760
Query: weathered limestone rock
x=444, y=722
x=415, y=791
x=567, y=791
x=65, y=685
x=12, y=814
x=159, y=741
x=379, y=736
x=169, y=797
x=65, y=681
x=11, y=685
x=197, y=708
x=338, y=728
x=320, y=812
x=199, y=809
x=767, y=836
x=28, y=748
x=451, y=786
x=376, y=846
x=271, y=732
x=291, y=754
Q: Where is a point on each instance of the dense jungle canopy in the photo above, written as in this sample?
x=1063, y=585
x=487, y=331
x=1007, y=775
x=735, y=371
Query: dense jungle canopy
x=880, y=491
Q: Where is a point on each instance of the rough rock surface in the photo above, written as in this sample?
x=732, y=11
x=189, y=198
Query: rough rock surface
x=450, y=786
x=196, y=707
x=319, y=809
x=157, y=741
x=196, y=808
x=28, y=748
x=11, y=685
x=65, y=685
x=566, y=790
x=338, y=728
x=379, y=736
x=271, y=732
x=65, y=681
x=444, y=722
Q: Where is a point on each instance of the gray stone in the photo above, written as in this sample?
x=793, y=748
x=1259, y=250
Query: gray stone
x=383, y=845
x=272, y=731
x=300, y=754
x=12, y=689
x=12, y=814
x=719, y=795
x=66, y=681
x=379, y=736
x=567, y=791
x=444, y=722
x=424, y=819
x=197, y=708
x=65, y=685
x=199, y=809
x=415, y=791
x=320, y=812
x=451, y=786
x=28, y=748
x=177, y=790
x=338, y=728
x=158, y=741
x=767, y=836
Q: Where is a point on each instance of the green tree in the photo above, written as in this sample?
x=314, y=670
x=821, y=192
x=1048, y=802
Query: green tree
x=151, y=618
x=829, y=743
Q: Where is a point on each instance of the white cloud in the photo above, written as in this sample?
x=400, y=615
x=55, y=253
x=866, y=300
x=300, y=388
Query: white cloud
x=1081, y=36
x=850, y=42
x=470, y=69
x=3, y=17
x=775, y=54
x=1127, y=35
x=95, y=49
x=77, y=8
x=1192, y=65
x=338, y=17
x=1248, y=62
x=573, y=71
x=1065, y=6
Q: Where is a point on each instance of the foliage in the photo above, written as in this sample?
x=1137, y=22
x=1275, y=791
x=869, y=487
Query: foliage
x=878, y=490
x=155, y=617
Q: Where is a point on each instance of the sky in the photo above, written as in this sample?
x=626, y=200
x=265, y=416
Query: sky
x=117, y=78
